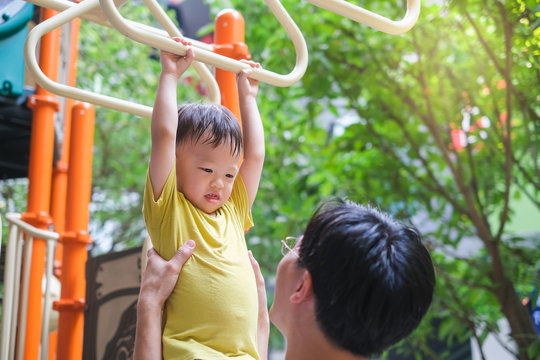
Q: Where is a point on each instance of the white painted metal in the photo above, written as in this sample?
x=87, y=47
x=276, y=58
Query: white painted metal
x=22, y=234
x=160, y=39
x=371, y=19
x=99, y=18
x=27, y=264
x=16, y=294
x=173, y=31
x=210, y=58
x=65, y=90
x=47, y=300
x=7, y=303
x=85, y=95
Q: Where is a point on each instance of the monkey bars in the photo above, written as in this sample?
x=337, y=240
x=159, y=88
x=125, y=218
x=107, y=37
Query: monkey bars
x=158, y=38
x=371, y=19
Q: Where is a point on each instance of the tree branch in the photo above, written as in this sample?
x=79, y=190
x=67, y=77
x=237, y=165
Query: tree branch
x=507, y=136
x=484, y=43
x=483, y=231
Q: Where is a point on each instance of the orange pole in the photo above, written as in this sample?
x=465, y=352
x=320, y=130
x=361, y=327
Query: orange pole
x=229, y=41
x=44, y=105
x=60, y=172
x=75, y=238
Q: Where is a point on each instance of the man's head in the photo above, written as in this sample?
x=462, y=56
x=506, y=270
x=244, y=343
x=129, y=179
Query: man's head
x=208, y=148
x=371, y=276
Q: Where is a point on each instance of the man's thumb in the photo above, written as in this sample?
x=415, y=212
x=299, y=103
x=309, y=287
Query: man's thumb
x=184, y=252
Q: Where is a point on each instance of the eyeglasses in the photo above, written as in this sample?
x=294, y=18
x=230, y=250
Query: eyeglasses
x=288, y=244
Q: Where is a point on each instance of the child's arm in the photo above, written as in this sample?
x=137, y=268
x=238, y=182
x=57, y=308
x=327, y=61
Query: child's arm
x=165, y=118
x=252, y=133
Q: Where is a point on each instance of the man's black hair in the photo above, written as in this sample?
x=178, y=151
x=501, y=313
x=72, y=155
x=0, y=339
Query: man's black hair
x=213, y=124
x=373, y=279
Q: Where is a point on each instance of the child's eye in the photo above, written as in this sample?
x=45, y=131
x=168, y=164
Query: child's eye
x=230, y=176
x=206, y=170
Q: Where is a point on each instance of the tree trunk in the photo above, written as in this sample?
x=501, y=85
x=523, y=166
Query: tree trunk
x=519, y=319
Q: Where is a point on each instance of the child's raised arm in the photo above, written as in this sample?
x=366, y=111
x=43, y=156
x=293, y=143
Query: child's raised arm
x=252, y=133
x=164, y=116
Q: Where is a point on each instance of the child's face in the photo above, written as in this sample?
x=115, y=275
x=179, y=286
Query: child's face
x=205, y=174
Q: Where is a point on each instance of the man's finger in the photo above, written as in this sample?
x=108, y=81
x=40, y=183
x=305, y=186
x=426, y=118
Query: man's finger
x=183, y=253
x=259, y=278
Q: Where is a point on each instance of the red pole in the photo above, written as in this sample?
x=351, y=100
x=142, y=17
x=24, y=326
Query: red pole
x=75, y=239
x=44, y=105
x=229, y=41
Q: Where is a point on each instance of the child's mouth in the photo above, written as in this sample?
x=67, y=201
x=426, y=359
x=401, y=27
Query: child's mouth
x=212, y=198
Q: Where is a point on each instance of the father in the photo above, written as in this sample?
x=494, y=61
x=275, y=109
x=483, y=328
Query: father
x=356, y=282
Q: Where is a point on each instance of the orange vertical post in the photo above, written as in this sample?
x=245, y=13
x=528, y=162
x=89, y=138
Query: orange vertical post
x=60, y=172
x=75, y=238
x=44, y=105
x=229, y=40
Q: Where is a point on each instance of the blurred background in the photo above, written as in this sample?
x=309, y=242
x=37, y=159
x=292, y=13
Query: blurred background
x=439, y=126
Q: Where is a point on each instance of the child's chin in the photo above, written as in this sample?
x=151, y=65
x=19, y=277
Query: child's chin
x=211, y=210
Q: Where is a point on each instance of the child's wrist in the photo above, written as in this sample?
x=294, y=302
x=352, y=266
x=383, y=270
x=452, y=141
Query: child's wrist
x=169, y=74
x=247, y=97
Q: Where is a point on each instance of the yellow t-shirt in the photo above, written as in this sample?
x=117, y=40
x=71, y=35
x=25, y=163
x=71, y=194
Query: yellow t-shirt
x=212, y=311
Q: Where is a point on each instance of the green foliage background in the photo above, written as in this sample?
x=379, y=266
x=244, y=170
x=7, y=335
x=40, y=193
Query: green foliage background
x=372, y=120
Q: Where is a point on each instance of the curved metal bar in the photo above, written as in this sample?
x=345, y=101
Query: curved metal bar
x=22, y=232
x=65, y=90
x=160, y=39
x=208, y=57
x=15, y=218
x=64, y=17
x=99, y=18
x=371, y=19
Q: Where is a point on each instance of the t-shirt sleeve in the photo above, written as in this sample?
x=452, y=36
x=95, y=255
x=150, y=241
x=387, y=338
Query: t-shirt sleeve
x=240, y=201
x=154, y=210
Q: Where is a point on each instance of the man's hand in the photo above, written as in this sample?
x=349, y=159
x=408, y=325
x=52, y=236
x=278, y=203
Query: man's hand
x=160, y=277
x=157, y=283
x=174, y=64
x=263, y=321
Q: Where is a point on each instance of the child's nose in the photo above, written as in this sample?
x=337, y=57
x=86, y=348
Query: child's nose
x=217, y=183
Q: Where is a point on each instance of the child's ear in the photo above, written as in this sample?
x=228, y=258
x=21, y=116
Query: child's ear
x=304, y=290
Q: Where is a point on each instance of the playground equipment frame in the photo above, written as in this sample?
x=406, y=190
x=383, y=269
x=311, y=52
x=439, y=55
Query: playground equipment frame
x=22, y=234
x=160, y=39
x=153, y=37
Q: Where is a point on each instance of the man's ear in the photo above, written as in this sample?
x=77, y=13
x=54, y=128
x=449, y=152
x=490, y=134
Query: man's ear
x=304, y=290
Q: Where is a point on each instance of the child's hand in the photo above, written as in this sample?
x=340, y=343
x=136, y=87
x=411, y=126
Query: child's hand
x=246, y=85
x=176, y=64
